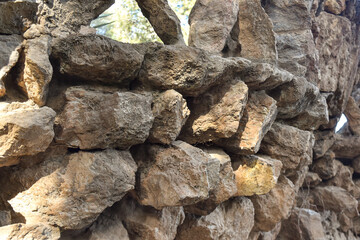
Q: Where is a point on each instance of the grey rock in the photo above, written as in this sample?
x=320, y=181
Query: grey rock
x=323, y=142
x=30, y=231
x=346, y=146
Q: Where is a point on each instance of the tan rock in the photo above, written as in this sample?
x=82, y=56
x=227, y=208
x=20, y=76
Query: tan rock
x=274, y=206
x=215, y=114
x=177, y=175
x=26, y=130
x=352, y=113
x=211, y=22
x=93, y=118
x=334, y=6
x=259, y=114
x=356, y=164
x=170, y=113
x=255, y=175
x=271, y=235
x=292, y=146
x=233, y=219
x=325, y=166
x=29, y=231
x=311, y=180
x=302, y=224
x=73, y=196
x=256, y=34
x=346, y=146
x=323, y=142
x=107, y=228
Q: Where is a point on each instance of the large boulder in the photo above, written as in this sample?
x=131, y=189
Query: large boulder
x=74, y=196
x=95, y=118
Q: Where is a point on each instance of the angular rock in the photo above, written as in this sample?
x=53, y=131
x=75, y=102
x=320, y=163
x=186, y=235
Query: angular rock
x=274, y=206
x=259, y=114
x=97, y=58
x=215, y=114
x=210, y=24
x=255, y=175
x=26, y=129
x=346, y=146
x=94, y=119
x=37, y=70
x=233, y=219
x=352, y=113
x=73, y=196
x=323, y=142
x=225, y=188
x=256, y=34
x=30, y=231
x=5, y=218
x=271, y=235
x=325, y=166
x=334, y=6
x=311, y=180
x=302, y=224
x=16, y=17
x=292, y=146
x=170, y=114
x=356, y=164
x=163, y=19
x=177, y=175
x=108, y=228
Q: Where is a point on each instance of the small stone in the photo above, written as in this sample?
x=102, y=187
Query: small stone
x=324, y=140
x=5, y=218
x=356, y=164
x=215, y=114
x=334, y=6
x=29, y=231
x=346, y=146
x=170, y=114
x=74, y=196
x=259, y=114
x=311, y=180
x=325, y=166
x=255, y=175
x=352, y=113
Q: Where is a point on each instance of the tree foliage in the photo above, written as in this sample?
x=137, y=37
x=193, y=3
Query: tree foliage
x=124, y=21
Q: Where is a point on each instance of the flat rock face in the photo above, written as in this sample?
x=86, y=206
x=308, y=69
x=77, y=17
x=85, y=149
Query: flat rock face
x=230, y=220
x=97, y=58
x=325, y=166
x=73, y=196
x=170, y=114
x=211, y=22
x=292, y=146
x=163, y=19
x=346, y=146
x=259, y=114
x=26, y=130
x=274, y=206
x=30, y=231
x=173, y=176
x=108, y=228
x=256, y=34
x=216, y=114
x=255, y=175
x=94, y=119
x=324, y=140
x=352, y=113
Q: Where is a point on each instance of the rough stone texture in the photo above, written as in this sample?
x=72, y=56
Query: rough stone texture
x=325, y=166
x=346, y=147
x=173, y=176
x=73, y=196
x=94, y=119
x=259, y=114
x=256, y=34
x=311, y=180
x=302, y=224
x=274, y=206
x=97, y=58
x=334, y=6
x=163, y=19
x=16, y=17
x=211, y=22
x=292, y=146
x=37, y=70
x=356, y=164
x=29, y=231
x=5, y=218
x=170, y=114
x=230, y=220
x=352, y=113
x=215, y=114
x=323, y=142
x=26, y=129
x=107, y=227
x=255, y=174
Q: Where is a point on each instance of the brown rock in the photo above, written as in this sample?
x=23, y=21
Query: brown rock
x=29, y=231
x=334, y=6
x=292, y=146
x=26, y=130
x=211, y=22
x=324, y=140
x=163, y=19
x=16, y=17
x=259, y=114
x=302, y=224
x=170, y=114
x=73, y=196
x=215, y=114
x=95, y=118
x=233, y=219
x=108, y=228
x=325, y=166
x=256, y=34
x=274, y=206
x=177, y=175
x=37, y=70
x=311, y=180
x=255, y=175
x=270, y=235
x=352, y=113
x=346, y=146
x=97, y=58
x=356, y=164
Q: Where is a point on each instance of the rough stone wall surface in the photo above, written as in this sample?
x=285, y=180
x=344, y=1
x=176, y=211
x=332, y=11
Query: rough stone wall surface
x=231, y=137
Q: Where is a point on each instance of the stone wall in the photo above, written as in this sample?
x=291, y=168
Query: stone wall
x=231, y=137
